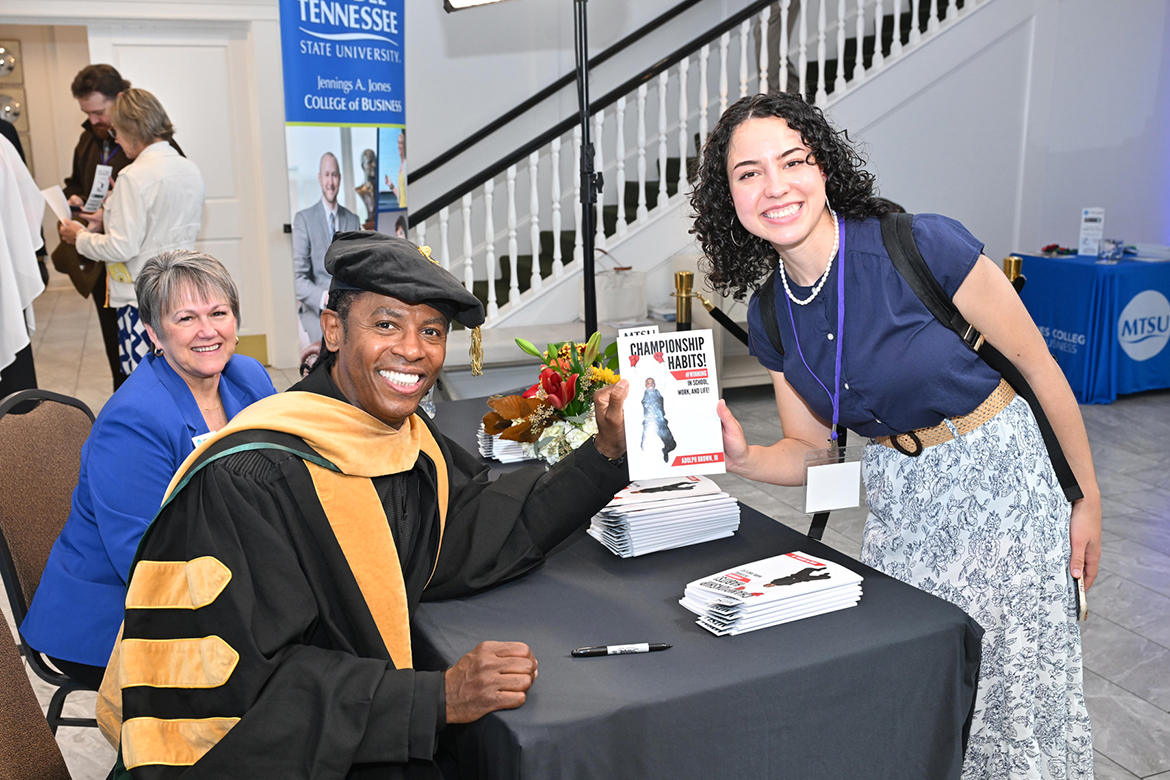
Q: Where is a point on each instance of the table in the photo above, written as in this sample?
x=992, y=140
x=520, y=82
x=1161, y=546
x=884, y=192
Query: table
x=1106, y=324
x=881, y=690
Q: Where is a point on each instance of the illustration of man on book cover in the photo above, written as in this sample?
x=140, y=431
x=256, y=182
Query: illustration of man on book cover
x=654, y=423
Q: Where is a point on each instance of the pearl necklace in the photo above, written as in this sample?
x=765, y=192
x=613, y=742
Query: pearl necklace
x=824, y=276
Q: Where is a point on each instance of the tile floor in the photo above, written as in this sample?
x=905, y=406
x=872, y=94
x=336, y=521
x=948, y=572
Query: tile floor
x=1126, y=640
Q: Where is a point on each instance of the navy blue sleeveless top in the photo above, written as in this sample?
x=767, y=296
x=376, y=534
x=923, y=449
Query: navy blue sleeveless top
x=901, y=368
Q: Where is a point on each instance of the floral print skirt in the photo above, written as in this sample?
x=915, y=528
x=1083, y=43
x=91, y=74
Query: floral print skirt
x=982, y=522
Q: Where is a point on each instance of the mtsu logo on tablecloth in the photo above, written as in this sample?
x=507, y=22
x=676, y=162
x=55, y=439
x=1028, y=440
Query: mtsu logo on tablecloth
x=1144, y=325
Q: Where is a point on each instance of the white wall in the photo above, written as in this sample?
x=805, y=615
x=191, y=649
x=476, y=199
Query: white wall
x=1032, y=110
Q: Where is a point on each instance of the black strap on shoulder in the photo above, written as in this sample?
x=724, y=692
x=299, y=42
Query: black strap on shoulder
x=898, y=237
x=767, y=295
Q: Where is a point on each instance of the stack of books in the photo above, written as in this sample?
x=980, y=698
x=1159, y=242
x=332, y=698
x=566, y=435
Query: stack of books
x=661, y=514
x=770, y=592
x=501, y=449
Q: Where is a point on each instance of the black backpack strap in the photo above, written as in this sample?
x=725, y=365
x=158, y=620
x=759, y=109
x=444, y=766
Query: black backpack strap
x=898, y=236
x=767, y=295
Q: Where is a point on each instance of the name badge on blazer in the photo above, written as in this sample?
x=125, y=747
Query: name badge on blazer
x=119, y=273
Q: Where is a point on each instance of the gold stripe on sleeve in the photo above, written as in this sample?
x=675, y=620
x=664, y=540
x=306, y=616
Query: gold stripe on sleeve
x=171, y=742
x=177, y=663
x=177, y=584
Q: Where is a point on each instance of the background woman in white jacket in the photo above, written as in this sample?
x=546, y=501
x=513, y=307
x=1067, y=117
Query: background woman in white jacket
x=156, y=205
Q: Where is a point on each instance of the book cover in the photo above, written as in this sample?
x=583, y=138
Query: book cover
x=756, y=585
x=672, y=428
x=652, y=490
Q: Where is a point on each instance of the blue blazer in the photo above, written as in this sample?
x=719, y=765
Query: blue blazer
x=142, y=436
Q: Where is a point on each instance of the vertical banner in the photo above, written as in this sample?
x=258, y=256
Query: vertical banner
x=345, y=132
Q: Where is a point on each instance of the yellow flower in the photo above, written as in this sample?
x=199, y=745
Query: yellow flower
x=603, y=376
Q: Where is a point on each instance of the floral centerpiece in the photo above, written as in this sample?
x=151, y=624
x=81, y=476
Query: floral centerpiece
x=555, y=416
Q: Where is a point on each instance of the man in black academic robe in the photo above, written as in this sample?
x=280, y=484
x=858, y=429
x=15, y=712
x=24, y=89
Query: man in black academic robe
x=267, y=622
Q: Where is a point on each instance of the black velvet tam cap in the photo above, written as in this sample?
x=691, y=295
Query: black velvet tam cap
x=375, y=262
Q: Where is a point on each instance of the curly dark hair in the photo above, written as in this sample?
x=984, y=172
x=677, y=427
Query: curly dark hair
x=736, y=260
x=99, y=78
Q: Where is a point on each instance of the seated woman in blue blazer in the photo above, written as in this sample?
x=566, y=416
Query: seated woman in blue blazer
x=190, y=385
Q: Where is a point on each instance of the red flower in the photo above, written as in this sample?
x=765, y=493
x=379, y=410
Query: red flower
x=658, y=356
x=633, y=360
x=531, y=392
x=558, y=390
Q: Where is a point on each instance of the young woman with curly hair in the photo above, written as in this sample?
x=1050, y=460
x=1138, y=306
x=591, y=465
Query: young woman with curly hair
x=975, y=514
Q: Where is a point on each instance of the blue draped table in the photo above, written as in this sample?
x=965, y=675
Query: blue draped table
x=1107, y=324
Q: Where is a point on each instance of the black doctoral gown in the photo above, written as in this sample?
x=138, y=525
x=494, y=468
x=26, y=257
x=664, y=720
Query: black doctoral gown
x=313, y=691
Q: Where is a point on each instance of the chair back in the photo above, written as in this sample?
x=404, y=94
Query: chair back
x=40, y=459
x=28, y=750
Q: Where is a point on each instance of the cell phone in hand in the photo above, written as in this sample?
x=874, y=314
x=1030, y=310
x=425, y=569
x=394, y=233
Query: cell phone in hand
x=1082, y=600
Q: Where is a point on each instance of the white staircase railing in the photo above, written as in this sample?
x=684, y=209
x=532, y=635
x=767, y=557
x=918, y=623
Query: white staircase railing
x=681, y=110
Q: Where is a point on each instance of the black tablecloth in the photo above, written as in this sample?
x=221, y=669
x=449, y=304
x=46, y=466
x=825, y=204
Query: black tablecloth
x=880, y=690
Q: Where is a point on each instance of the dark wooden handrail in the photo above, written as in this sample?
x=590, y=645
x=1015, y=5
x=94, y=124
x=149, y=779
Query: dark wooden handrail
x=432, y=208
x=544, y=94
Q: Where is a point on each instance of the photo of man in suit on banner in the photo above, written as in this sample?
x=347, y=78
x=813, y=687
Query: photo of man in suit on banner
x=313, y=231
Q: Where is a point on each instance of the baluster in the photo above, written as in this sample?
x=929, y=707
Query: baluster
x=859, y=54
x=489, y=236
x=802, y=51
x=896, y=49
x=444, y=244
x=839, y=81
x=932, y=24
x=620, y=154
x=745, y=29
x=915, y=19
x=782, y=58
x=468, y=247
x=762, y=37
x=599, y=167
x=534, y=281
x=704, y=56
x=513, y=245
x=879, y=21
x=822, y=93
x=578, y=245
x=420, y=233
x=642, y=92
x=557, y=264
x=724, y=42
x=683, y=67
x=663, y=80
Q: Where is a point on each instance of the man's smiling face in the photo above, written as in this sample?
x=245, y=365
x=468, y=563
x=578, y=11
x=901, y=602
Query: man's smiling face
x=389, y=354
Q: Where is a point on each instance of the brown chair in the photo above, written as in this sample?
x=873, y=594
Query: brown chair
x=40, y=459
x=27, y=748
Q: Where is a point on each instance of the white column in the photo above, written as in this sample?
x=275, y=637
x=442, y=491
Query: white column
x=468, y=247
x=859, y=56
x=663, y=80
x=915, y=33
x=765, y=15
x=599, y=167
x=558, y=264
x=704, y=57
x=802, y=51
x=822, y=92
x=642, y=92
x=897, y=47
x=724, y=42
x=932, y=25
x=420, y=232
x=782, y=67
x=534, y=282
x=489, y=240
x=745, y=29
x=444, y=244
x=578, y=245
x=879, y=20
x=620, y=164
x=839, y=81
x=513, y=244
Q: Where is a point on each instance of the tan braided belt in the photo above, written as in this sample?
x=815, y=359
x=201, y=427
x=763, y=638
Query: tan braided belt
x=914, y=442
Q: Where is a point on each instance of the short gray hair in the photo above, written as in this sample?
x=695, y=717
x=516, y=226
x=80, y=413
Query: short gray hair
x=167, y=277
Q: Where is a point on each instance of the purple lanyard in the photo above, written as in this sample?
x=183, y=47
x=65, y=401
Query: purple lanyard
x=834, y=396
x=107, y=157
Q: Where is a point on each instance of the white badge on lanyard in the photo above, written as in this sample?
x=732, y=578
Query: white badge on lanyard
x=101, y=188
x=832, y=479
